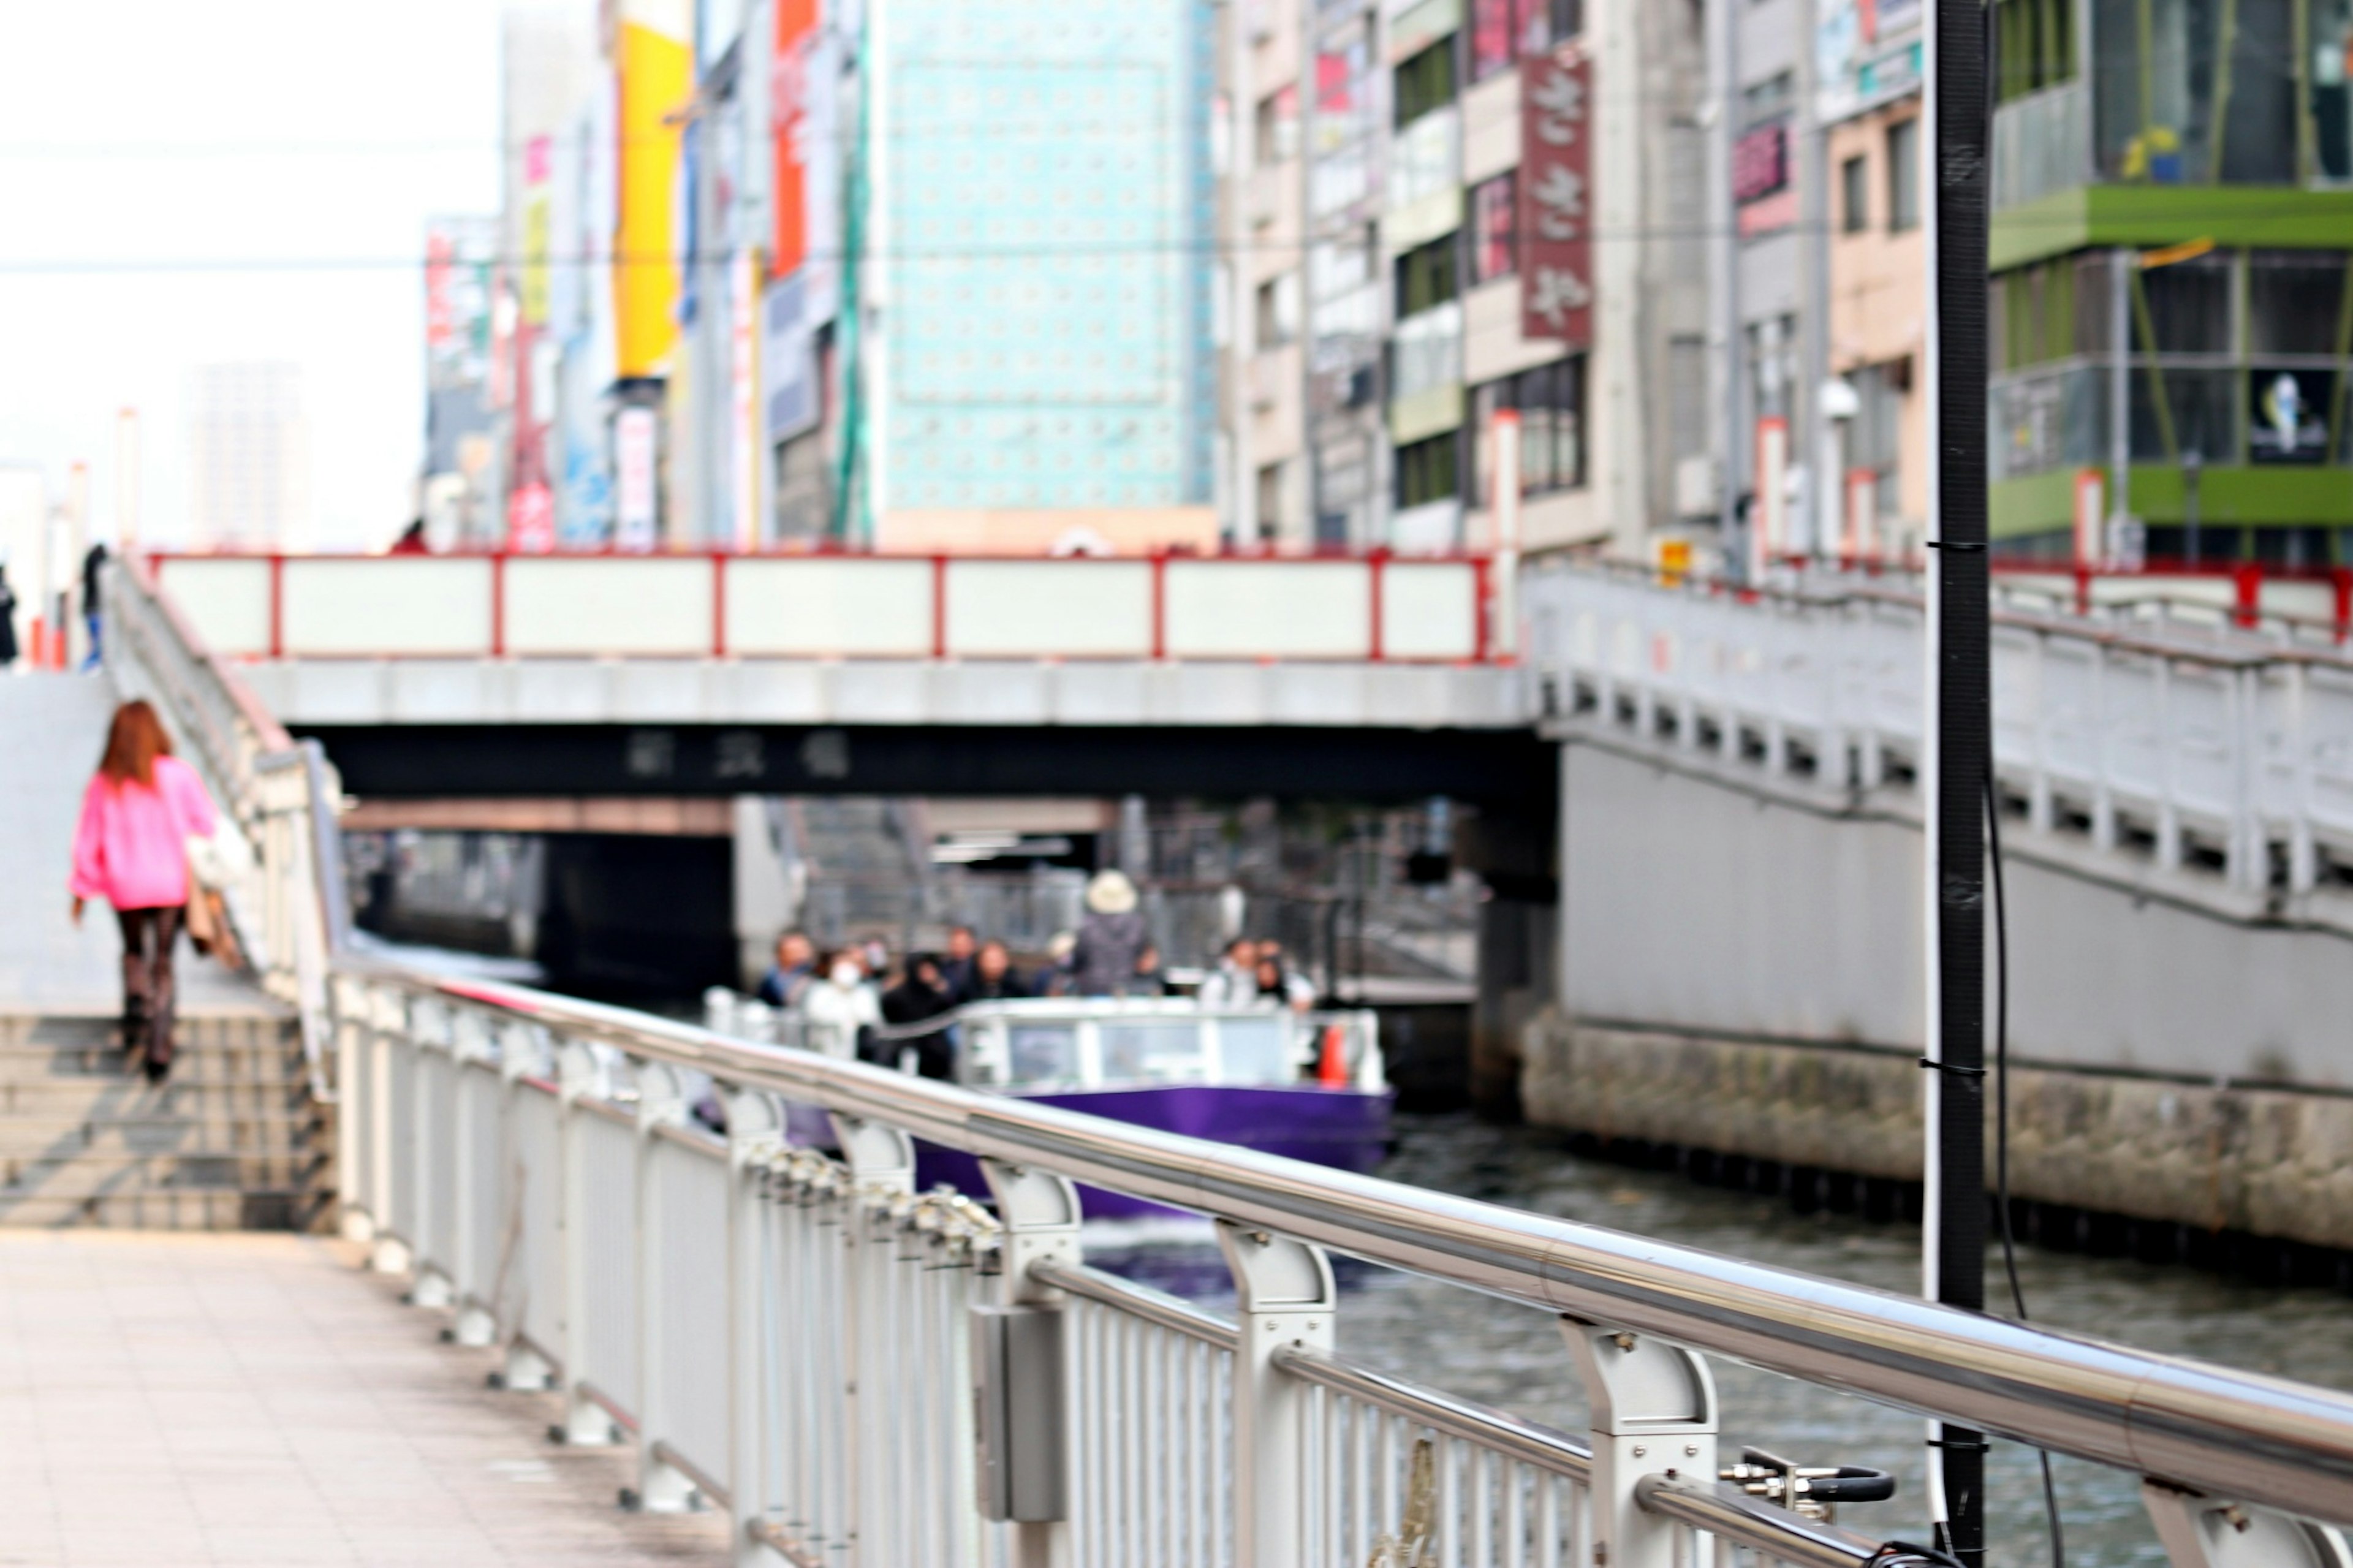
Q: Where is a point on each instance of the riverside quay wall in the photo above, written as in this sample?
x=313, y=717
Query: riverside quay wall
x=1740, y=975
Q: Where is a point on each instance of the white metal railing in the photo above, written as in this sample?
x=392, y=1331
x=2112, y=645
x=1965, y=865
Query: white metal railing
x=278, y=797
x=863, y=1374
x=866, y=1375
x=2233, y=749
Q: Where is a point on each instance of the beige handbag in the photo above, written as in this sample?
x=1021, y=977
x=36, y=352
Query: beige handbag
x=207, y=911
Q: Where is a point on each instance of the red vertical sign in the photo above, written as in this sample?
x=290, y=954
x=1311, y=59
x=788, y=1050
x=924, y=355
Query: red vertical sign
x=1556, y=196
x=788, y=115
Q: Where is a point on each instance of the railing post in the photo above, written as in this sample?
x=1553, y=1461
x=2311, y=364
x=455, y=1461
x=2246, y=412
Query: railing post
x=751, y=1139
x=578, y=1076
x=432, y=1286
x=2169, y=815
x=2244, y=860
x=1039, y=1211
x=523, y=1052
x=2303, y=855
x=661, y=1487
x=1653, y=1413
x=354, y=1160
x=388, y=1019
x=1287, y=1298
x=472, y=1038
x=882, y=1161
x=2038, y=810
x=2103, y=793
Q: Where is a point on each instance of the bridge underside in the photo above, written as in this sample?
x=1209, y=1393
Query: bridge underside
x=1511, y=772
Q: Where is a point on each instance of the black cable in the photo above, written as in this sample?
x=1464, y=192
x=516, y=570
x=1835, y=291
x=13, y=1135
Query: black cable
x=2001, y=1126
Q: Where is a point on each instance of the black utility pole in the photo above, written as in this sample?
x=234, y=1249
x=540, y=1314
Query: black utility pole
x=1959, y=99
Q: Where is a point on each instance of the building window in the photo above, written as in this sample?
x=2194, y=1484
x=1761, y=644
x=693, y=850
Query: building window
x=1424, y=82
x=1854, y=194
x=1278, y=311
x=1269, y=501
x=1428, y=471
x=2192, y=92
x=1503, y=31
x=2295, y=301
x=1278, y=125
x=1550, y=400
x=1426, y=276
x=2034, y=42
x=1495, y=227
x=1903, y=175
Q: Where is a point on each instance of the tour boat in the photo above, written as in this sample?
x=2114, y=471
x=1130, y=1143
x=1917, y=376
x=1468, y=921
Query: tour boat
x=1309, y=1085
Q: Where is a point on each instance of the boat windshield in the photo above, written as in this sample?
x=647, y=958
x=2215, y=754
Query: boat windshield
x=1042, y=1052
x=1255, y=1049
x=1152, y=1050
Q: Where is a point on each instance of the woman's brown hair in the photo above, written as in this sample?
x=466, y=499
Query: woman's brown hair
x=134, y=743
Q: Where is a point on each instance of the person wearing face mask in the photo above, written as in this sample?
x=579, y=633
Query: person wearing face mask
x=841, y=1006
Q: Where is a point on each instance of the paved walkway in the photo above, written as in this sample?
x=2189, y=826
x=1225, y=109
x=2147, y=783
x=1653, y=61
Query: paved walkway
x=256, y=1399
x=52, y=728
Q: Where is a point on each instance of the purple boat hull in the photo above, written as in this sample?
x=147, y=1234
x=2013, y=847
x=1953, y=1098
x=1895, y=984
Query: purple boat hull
x=1345, y=1128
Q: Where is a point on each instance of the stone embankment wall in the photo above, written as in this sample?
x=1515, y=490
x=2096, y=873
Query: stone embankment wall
x=2270, y=1162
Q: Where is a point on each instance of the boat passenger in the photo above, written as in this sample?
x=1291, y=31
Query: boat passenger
x=1054, y=979
x=921, y=993
x=1110, y=938
x=1296, y=988
x=790, y=976
x=841, y=1007
x=955, y=963
x=1151, y=977
x=1234, y=983
x=1273, y=982
x=994, y=978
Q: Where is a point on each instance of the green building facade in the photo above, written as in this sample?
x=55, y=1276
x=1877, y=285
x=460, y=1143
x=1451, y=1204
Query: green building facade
x=2173, y=216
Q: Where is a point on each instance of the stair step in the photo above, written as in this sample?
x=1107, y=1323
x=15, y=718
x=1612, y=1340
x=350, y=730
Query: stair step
x=99, y=1175
x=275, y=1132
x=259, y=1208
x=230, y=1141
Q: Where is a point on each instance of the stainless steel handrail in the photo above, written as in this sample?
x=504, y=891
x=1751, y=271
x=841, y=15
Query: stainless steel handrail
x=2223, y=1432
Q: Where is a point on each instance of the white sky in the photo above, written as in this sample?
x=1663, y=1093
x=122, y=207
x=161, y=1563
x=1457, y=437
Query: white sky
x=168, y=139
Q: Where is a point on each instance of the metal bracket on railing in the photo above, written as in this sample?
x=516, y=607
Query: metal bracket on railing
x=879, y=1158
x=1653, y=1413
x=2201, y=1532
x=1039, y=1211
x=1287, y=1298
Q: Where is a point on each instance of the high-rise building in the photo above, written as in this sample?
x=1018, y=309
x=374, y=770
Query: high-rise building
x=248, y=457
x=461, y=494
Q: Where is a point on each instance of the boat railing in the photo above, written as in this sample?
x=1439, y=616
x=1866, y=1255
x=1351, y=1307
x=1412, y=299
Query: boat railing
x=839, y=1361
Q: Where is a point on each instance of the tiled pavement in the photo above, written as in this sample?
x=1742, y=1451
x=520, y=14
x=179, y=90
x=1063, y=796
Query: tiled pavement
x=187, y=1399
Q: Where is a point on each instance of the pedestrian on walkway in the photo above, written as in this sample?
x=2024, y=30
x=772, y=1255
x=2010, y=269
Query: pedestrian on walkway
x=130, y=848
x=994, y=978
x=921, y=993
x=8, y=620
x=93, y=569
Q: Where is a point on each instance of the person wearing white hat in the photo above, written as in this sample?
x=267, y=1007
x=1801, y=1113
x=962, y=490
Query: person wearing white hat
x=1110, y=938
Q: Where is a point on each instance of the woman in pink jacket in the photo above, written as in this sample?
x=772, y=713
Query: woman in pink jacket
x=132, y=849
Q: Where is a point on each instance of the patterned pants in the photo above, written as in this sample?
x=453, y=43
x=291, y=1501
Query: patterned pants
x=148, y=938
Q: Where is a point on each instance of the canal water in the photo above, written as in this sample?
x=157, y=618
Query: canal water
x=1513, y=1357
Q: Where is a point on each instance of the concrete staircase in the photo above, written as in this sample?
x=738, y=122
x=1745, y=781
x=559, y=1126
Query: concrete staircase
x=232, y=1141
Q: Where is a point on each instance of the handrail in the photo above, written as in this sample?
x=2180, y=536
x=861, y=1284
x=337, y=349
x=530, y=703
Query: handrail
x=1813, y=596
x=1733, y=1515
x=2229, y=1433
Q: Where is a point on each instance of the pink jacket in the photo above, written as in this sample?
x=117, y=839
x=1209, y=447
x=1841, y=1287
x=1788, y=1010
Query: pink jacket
x=132, y=848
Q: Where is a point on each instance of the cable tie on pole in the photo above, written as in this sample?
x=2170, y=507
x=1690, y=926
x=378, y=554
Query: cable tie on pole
x=1961, y=1445
x=1954, y=1068
x=1965, y=546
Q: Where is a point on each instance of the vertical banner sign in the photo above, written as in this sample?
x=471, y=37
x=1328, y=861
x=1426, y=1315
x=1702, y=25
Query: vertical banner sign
x=1768, y=519
x=634, y=432
x=789, y=116
x=1556, y=197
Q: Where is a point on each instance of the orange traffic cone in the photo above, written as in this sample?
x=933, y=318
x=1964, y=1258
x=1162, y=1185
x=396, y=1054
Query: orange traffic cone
x=1331, y=1064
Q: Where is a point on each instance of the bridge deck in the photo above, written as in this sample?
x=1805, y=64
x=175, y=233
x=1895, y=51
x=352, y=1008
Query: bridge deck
x=251, y=1399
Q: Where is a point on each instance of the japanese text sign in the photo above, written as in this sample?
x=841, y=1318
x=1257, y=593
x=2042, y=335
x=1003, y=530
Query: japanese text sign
x=1556, y=197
